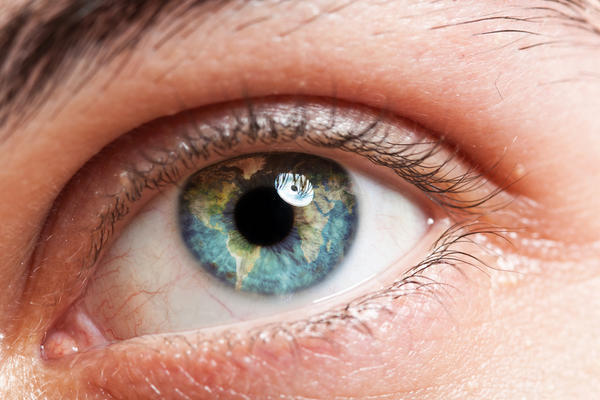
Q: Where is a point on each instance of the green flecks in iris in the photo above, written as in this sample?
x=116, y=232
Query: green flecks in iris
x=321, y=235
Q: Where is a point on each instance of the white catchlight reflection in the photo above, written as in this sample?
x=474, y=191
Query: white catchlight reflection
x=294, y=189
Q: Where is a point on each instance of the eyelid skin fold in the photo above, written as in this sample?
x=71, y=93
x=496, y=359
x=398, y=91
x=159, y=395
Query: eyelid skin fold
x=120, y=180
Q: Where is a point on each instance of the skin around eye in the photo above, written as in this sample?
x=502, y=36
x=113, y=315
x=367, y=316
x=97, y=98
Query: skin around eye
x=110, y=193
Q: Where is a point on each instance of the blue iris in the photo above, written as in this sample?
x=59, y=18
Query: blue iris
x=270, y=223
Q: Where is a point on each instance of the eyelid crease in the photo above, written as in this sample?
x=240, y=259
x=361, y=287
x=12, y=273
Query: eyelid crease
x=316, y=122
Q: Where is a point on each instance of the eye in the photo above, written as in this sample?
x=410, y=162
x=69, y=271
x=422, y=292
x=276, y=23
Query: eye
x=238, y=250
x=186, y=233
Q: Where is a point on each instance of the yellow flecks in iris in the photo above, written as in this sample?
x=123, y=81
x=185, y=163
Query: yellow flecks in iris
x=249, y=166
x=211, y=200
x=313, y=218
x=245, y=255
x=336, y=191
x=310, y=223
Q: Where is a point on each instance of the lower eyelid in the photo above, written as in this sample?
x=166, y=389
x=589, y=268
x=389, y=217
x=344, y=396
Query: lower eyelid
x=325, y=348
x=386, y=329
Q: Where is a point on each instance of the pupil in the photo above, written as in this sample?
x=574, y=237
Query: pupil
x=263, y=217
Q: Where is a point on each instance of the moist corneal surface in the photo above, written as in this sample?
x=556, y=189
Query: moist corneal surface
x=270, y=223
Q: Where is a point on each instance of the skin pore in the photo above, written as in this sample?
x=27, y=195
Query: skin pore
x=512, y=85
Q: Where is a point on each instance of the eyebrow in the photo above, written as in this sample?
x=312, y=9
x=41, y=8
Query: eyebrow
x=41, y=44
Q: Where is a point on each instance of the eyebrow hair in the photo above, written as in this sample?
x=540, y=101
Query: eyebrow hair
x=42, y=43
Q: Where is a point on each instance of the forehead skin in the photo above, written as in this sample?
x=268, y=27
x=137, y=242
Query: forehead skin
x=515, y=80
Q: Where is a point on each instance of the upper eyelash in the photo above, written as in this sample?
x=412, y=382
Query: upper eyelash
x=370, y=140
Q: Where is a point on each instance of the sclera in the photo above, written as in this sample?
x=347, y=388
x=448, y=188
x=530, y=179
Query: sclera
x=150, y=283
